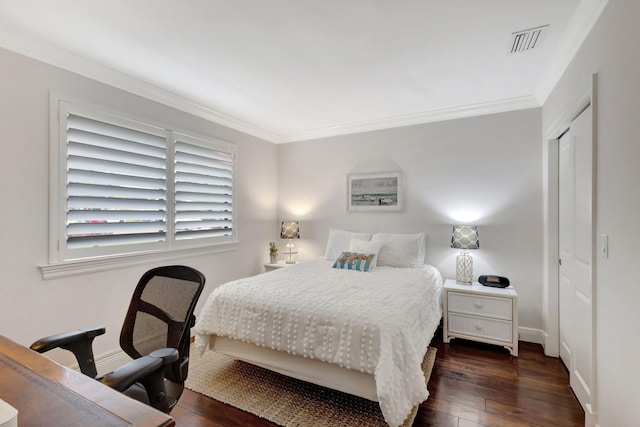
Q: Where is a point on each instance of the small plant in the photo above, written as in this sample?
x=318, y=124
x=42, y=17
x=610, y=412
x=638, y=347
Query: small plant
x=273, y=248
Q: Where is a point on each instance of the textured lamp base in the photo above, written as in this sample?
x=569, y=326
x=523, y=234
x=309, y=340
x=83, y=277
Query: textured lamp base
x=464, y=268
x=290, y=253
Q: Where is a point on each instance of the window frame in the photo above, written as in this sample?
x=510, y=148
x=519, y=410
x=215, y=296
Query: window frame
x=66, y=262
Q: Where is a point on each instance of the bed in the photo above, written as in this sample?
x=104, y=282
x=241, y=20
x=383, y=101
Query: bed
x=359, y=323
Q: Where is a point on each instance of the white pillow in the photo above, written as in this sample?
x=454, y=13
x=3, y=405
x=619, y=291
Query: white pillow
x=367, y=247
x=401, y=250
x=340, y=240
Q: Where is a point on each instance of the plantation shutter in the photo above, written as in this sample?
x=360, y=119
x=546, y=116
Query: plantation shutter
x=116, y=184
x=203, y=189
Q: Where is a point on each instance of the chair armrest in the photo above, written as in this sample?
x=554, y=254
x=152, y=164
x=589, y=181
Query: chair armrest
x=131, y=373
x=65, y=338
x=79, y=342
x=147, y=370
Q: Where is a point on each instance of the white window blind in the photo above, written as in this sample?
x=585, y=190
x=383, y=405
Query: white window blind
x=116, y=185
x=125, y=187
x=203, y=191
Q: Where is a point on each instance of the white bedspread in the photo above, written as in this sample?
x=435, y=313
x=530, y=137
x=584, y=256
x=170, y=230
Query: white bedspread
x=379, y=322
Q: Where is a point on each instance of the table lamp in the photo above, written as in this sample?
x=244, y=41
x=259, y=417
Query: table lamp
x=464, y=237
x=290, y=230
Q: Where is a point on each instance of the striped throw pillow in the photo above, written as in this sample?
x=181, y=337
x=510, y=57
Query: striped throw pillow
x=355, y=261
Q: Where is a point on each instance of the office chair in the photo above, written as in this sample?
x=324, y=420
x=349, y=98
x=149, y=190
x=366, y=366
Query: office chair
x=155, y=333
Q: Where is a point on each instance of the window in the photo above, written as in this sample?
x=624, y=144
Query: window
x=123, y=187
x=203, y=193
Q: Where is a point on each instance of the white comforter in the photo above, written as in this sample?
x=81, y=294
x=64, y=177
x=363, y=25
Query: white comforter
x=379, y=322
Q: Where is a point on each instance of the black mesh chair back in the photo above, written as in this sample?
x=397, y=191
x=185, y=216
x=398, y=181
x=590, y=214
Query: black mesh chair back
x=160, y=315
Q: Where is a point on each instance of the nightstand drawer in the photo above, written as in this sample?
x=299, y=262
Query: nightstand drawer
x=480, y=327
x=498, y=308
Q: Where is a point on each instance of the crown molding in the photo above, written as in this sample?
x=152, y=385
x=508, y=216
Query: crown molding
x=499, y=106
x=46, y=53
x=585, y=17
x=49, y=54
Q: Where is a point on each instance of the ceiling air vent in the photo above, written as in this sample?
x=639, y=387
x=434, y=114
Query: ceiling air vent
x=524, y=40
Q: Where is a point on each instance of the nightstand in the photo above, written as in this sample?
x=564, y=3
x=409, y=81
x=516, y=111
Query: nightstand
x=481, y=313
x=270, y=267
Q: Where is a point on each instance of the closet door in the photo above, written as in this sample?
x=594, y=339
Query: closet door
x=576, y=249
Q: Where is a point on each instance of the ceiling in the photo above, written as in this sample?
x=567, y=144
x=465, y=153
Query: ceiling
x=289, y=70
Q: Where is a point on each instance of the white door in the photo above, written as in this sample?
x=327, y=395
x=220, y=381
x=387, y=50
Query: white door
x=577, y=255
x=565, y=242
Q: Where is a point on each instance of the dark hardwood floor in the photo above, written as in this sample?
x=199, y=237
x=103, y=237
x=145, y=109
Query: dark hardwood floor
x=471, y=385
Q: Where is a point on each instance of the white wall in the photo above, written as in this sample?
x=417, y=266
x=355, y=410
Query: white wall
x=482, y=170
x=31, y=307
x=611, y=50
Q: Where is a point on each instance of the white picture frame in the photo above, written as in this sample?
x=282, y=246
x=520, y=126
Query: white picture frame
x=375, y=192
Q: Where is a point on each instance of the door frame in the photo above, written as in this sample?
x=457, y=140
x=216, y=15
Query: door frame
x=550, y=284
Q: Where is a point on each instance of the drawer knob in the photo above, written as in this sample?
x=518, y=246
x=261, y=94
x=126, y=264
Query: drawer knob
x=478, y=327
x=478, y=305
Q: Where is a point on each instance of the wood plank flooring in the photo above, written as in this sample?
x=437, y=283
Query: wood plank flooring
x=471, y=385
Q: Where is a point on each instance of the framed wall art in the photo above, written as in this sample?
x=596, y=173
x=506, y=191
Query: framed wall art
x=375, y=192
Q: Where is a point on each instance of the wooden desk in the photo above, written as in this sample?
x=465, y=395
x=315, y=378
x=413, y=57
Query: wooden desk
x=46, y=393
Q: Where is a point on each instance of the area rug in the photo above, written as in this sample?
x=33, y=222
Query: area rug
x=283, y=400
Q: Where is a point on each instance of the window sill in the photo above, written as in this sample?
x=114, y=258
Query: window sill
x=93, y=265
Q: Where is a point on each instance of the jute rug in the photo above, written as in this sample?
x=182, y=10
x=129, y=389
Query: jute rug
x=283, y=400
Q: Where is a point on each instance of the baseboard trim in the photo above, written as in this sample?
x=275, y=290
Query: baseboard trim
x=535, y=336
x=590, y=417
x=550, y=349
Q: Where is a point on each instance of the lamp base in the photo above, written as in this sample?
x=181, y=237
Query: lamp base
x=464, y=268
x=291, y=253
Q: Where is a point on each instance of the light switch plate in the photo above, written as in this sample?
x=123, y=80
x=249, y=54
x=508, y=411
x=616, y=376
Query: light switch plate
x=604, y=245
